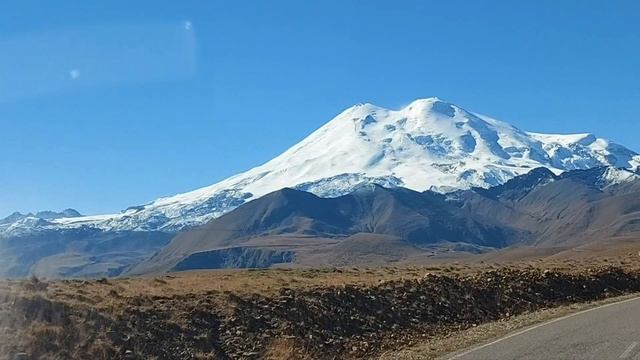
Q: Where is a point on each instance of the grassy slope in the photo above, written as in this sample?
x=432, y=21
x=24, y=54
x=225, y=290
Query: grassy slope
x=279, y=313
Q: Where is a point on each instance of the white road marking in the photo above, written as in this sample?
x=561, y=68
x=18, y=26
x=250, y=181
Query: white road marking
x=458, y=356
x=627, y=352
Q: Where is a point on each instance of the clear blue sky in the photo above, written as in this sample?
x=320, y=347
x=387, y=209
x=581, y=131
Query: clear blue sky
x=106, y=104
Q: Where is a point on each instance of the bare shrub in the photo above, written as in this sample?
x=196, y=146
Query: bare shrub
x=35, y=284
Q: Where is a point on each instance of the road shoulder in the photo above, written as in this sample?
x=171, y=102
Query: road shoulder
x=447, y=346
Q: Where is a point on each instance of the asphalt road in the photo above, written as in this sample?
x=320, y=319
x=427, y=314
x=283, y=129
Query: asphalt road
x=607, y=332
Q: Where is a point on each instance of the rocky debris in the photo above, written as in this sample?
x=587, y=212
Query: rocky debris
x=353, y=321
x=327, y=322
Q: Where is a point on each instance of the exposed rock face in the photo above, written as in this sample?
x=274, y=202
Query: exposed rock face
x=375, y=224
x=573, y=209
x=235, y=257
x=371, y=225
x=297, y=221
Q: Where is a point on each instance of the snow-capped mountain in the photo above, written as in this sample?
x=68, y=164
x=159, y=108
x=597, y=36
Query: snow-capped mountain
x=429, y=144
x=45, y=215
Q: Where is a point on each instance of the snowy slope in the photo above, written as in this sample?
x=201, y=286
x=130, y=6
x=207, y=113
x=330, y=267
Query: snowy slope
x=429, y=144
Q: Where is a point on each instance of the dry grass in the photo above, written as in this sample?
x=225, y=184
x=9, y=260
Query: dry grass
x=112, y=294
x=270, y=281
x=285, y=349
x=44, y=299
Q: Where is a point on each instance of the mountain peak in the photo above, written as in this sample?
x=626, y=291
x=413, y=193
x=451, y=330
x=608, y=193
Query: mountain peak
x=428, y=144
x=422, y=106
x=43, y=215
x=430, y=99
x=16, y=216
x=431, y=105
x=361, y=109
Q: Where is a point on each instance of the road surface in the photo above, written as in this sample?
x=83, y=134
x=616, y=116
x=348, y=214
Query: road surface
x=607, y=332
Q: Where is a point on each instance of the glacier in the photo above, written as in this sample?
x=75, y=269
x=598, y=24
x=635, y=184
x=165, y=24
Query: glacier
x=429, y=144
